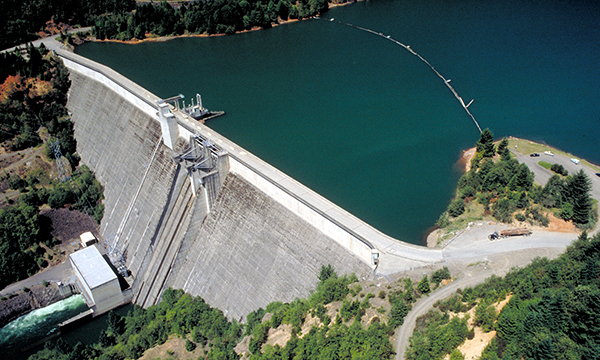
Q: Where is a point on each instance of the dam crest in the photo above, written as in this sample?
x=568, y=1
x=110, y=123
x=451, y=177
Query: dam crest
x=187, y=208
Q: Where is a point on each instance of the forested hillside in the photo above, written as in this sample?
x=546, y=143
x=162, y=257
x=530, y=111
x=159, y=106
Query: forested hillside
x=554, y=311
x=33, y=96
x=210, y=17
x=21, y=21
x=341, y=320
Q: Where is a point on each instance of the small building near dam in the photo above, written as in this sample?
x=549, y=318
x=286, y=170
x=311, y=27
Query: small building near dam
x=96, y=280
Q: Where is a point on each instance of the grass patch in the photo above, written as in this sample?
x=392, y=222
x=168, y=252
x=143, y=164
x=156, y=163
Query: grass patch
x=527, y=147
x=473, y=212
x=545, y=164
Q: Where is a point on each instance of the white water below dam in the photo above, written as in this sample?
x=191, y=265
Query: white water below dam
x=38, y=324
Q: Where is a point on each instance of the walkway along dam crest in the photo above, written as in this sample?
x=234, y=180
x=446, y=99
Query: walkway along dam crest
x=221, y=224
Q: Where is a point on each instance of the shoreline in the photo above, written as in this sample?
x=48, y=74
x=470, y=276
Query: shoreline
x=557, y=225
x=190, y=35
x=204, y=35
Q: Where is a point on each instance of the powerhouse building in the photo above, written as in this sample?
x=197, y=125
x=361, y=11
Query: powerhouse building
x=96, y=280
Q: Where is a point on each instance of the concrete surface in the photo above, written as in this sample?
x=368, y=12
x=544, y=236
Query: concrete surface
x=251, y=250
x=151, y=216
x=60, y=273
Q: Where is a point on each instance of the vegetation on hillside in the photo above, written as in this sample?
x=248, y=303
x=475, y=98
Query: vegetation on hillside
x=210, y=17
x=21, y=20
x=553, y=313
x=506, y=190
x=334, y=339
x=345, y=336
x=33, y=96
x=19, y=232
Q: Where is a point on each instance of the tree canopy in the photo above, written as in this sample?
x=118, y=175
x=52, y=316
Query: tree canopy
x=210, y=17
x=507, y=191
x=554, y=311
x=19, y=230
x=20, y=20
x=485, y=145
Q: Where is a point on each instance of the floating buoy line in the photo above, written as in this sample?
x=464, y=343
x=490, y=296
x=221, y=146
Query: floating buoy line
x=407, y=47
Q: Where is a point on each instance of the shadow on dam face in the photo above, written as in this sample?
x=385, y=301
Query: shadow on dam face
x=248, y=251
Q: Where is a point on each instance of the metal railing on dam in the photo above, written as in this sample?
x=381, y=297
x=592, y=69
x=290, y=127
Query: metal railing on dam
x=356, y=236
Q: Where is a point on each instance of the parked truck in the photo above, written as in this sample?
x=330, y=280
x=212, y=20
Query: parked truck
x=509, y=232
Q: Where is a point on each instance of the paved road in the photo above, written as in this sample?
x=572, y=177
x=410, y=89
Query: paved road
x=542, y=175
x=49, y=42
x=472, y=258
x=62, y=273
x=423, y=305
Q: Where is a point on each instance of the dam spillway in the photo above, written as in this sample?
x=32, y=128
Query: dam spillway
x=240, y=236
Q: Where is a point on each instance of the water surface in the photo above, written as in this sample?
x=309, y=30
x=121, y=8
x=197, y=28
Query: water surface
x=363, y=122
x=38, y=324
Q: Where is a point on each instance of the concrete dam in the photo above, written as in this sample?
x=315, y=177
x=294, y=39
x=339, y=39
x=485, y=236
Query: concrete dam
x=187, y=208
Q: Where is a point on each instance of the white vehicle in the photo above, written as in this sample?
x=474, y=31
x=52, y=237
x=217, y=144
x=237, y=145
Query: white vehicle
x=575, y=161
x=549, y=153
x=87, y=239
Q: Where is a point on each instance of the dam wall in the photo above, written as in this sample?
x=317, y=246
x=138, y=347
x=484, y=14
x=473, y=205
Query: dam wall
x=247, y=251
x=359, y=247
x=251, y=250
x=123, y=146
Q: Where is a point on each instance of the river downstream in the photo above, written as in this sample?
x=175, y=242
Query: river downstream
x=365, y=123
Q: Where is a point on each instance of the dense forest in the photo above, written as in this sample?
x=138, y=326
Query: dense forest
x=32, y=107
x=554, y=311
x=21, y=20
x=33, y=95
x=345, y=336
x=210, y=17
x=506, y=189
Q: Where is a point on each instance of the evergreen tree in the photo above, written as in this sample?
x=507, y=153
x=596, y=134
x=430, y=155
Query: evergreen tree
x=398, y=312
x=326, y=272
x=423, y=286
x=485, y=145
x=522, y=180
x=503, y=149
x=579, y=192
x=508, y=324
x=558, y=317
x=590, y=271
x=544, y=350
x=485, y=315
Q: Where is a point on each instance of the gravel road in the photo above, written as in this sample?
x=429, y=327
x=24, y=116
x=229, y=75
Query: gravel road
x=472, y=258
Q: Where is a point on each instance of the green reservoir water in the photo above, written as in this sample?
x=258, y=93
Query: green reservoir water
x=363, y=122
